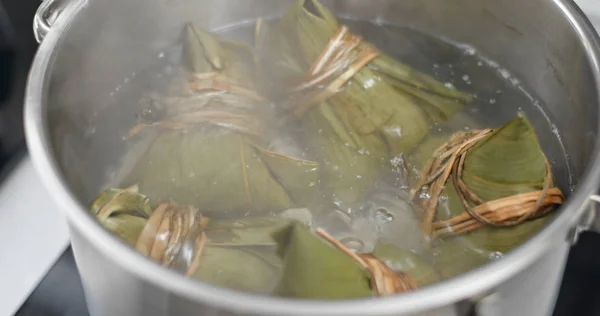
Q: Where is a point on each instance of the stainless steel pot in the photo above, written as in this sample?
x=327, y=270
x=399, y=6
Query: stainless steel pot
x=93, y=45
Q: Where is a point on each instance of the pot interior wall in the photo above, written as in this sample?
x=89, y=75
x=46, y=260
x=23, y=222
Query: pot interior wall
x=109, y=40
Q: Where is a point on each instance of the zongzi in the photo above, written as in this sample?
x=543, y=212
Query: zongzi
x=211, y=148
x=238, y=254
x=496, y=187
x=357, y=107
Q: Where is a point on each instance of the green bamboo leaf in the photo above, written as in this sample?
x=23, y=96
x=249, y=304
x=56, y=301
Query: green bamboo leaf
x=238, y=268
x=205, y=53
x=398, y=259
x=114, y=201
x=299, y=177
x=126, y=227
x=313, y=269
x=202, y=50
x=437, y=107
x=508, y=162
x=408, y=77
x=218, y=170
x=124, y=212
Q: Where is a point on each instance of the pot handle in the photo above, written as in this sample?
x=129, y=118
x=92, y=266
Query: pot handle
x=45, y=16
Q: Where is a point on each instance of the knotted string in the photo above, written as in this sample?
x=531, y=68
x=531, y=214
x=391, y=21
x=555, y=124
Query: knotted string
x=204, y=85
x=344, y=55
x=448, y=161
x=167, y=230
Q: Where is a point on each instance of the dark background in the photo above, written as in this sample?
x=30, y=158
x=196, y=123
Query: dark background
x=60, y=293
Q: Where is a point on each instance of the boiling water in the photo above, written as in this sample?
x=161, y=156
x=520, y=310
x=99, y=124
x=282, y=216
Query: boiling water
x=497, y=98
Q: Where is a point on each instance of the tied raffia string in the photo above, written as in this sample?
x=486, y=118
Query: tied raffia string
x=167, y=229
x=384, y=280
x=448, y=161
x=240, y=122
x=344, y=55
x=204, y=85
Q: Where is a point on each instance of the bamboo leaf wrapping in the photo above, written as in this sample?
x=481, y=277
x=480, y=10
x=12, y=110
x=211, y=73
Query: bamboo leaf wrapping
x=313, y=269
x=507, y=162
x=238, y=269
x=383, y=110
x=211, y=148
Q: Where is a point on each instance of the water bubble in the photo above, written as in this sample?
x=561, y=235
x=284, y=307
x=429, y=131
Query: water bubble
x=383, y=215
x=424, y=195
x=161, y=55
x=358, y=176
x=449, y=85
x=492, y=101
x=192, y=174
x=353, y=243
x=495, y=255
x=397, y=161
x=469, y=50
x=312, y=184
x=479, y=63
x=505, y=73
x=337, y=202
x=555, y=130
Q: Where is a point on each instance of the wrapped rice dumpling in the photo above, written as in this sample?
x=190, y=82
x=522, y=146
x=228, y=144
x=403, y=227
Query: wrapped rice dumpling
x=211, y=148
x=237, y=254
x=313, y=269
x=357, y=107
x=490, y=187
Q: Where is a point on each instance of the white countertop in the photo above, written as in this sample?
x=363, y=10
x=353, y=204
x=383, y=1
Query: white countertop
x=34, y=235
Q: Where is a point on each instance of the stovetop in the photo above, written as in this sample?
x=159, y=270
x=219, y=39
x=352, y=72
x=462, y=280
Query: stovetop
x=43, y=280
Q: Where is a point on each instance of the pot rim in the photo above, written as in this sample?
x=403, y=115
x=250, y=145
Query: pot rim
x=435, y=296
